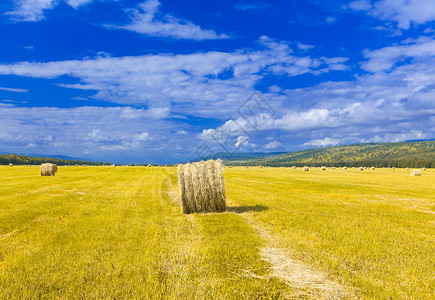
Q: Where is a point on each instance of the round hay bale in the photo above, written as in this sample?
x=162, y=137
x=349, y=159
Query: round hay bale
x=294, y=167
x=361, y=168
x=373, y=168
x=344, y=168
x=323, y=168
x=416, y=172
x=424, y=169
x=305, y=169
x=10, y=165
x=48, y=169
x=407, y=169
x=202, y=187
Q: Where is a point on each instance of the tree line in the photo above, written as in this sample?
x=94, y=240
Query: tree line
x=6, y=159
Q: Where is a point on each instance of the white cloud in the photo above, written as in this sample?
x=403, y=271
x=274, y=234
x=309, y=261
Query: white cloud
x=30, y=10
x=360, y=5
x=272, y=145
x=146, y=19
x=388, y=105
x=404, y=12
x=241, y=141
x=143, y=136
x=188, y=82
x=78, y=3
x=15, y=90
x=33, y=10
x=77, y=130
x=385, y=58
x=322, y=143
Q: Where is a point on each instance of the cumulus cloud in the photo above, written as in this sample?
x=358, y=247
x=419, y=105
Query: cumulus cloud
x=33, y=10
x=241, y=141
x=272, y=145
x=419, y=49
x=147, y=19
x=385, y=106
x=404, y=12
x=81, y=131
x=189, y=82
x=322, y=143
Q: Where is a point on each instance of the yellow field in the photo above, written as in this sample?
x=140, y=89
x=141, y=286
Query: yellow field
x=101, y=232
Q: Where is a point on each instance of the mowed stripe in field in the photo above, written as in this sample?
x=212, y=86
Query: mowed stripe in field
x=115, y=233
x=364, y=236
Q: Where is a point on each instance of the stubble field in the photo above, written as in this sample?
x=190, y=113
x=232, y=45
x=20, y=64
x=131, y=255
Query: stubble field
x=102, y=232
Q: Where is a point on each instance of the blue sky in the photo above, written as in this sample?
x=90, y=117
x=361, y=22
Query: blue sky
x=165, y=81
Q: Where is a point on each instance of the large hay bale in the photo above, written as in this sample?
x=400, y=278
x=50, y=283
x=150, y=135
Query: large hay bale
x=416, y=172
x=10, y=165
x=323, y=168
x=202, y=187
x=294, y=167
x=305, y=169
x=361, y=168
x=373, y=168
x=424, y=169
x=344, y=168
x=48, y=169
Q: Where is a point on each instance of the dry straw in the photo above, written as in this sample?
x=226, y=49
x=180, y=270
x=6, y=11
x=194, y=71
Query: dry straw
x=373, y=168
x=323, y=168
x=416, y=172
x=202, y=187
x=306, y=169
x=424, y=169
x=48, y=169
x=361, y=168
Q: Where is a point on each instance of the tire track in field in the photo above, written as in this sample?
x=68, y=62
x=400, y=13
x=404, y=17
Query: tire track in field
x=307, y=280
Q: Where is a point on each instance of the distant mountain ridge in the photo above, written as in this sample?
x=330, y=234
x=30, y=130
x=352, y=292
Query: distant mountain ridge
x=403, y=154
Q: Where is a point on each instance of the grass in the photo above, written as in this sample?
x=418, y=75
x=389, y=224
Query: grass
x=117, y=233
x=371, y=230
x=101, y=232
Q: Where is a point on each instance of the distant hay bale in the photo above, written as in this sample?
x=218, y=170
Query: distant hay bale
x=305, y=169
x=373, y=168
x=416, y=172
x=10, y=165
x=407, y=169
x=113, y=165
x=361, y=168
x=344, y=168
x=294, y=167
x=424, y=169
x=48, y=169
x=202, y=187
x=323, y=168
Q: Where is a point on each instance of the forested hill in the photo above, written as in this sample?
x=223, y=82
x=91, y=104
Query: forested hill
x=6, y=159
x=405, y=154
